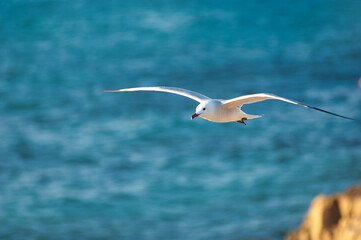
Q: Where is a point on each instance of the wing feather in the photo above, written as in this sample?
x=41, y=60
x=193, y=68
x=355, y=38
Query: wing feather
x=246, y=99
x=180, y=91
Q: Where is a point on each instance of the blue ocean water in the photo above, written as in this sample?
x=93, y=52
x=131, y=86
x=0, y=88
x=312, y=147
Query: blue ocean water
x=79, y=164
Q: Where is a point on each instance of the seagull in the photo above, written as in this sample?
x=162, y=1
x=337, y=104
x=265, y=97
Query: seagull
x=219, y=110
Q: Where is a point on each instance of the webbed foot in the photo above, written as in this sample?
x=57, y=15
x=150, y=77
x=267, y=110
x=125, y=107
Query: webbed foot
x=242, y=121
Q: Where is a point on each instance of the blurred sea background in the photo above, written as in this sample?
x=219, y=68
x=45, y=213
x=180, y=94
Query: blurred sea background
x=79, y=164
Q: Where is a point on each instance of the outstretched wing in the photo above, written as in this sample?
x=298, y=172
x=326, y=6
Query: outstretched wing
x=246, y=99
x=180, y=91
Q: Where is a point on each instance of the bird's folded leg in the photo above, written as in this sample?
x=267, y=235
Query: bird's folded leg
x=242, y=121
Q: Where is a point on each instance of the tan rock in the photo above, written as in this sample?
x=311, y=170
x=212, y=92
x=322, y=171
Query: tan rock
x=334, y=217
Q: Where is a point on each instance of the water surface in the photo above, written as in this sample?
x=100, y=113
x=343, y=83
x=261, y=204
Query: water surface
x=79, y=164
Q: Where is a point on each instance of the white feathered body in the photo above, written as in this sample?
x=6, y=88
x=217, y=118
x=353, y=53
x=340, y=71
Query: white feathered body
x=218, y=112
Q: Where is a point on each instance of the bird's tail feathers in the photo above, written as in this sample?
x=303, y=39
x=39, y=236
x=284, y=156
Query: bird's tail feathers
x=253, y=116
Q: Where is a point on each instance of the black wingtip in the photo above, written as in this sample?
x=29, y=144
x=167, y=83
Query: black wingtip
x=333, y=113
x=321, y=110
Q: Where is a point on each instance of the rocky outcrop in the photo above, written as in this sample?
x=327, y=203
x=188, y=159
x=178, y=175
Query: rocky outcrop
x=334, y=217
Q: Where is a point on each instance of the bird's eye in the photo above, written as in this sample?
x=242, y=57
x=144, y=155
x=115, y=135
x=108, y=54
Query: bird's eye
x=204, y=109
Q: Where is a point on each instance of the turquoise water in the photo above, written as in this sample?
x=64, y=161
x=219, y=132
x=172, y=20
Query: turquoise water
x=79, y=164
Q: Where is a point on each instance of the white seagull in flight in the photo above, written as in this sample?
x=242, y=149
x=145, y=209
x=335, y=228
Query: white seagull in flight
x=219, y=110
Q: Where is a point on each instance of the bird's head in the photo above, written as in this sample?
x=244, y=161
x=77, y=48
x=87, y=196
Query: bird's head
x=205, y=109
